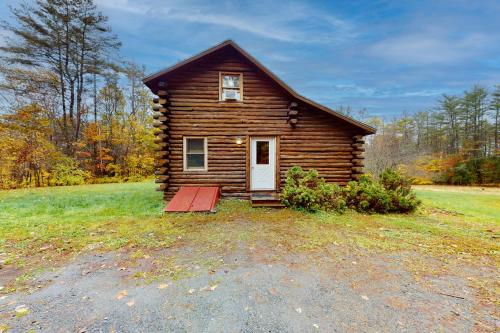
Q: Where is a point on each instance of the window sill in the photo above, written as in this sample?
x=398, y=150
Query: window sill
x=195, y=170
x=230, y=101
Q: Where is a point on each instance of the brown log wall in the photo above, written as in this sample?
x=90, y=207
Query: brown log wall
x=317, y=140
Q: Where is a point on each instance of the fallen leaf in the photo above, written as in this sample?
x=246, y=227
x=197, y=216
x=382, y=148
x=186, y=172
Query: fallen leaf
x=162, y=286
x=354, y=263
x=273, y=291
x=122, y=294
x=365, y=297
x=299, y=310
x=212, y=288
x=21, y=310
x=131, y=303
x=315, y=325
x=191, y=291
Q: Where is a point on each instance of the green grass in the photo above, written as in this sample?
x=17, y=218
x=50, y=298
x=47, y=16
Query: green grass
x=482, y=205
x=44, y=227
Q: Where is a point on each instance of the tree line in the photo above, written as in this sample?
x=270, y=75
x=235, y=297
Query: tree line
x=72, y=110
x=454, y=142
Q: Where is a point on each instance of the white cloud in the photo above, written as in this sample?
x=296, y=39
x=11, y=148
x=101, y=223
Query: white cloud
x=428, y=48
x=283, y=22
x=124, y=5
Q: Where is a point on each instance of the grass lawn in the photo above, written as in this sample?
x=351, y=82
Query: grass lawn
x=43, y=228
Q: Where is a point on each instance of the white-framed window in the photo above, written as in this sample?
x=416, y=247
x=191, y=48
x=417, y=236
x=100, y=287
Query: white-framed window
x=230, y=86
x=195, y=154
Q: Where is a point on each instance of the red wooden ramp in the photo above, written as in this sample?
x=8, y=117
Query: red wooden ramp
x=194, y=199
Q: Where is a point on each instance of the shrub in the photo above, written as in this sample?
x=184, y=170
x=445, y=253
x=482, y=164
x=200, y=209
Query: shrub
x=308, y=191
x=392, y=194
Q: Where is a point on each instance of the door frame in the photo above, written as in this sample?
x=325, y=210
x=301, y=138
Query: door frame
x=277, y=153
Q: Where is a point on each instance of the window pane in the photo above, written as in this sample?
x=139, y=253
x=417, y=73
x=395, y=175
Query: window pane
x=262, y=152
x=231, y=94
x=231, y=81
x=195, y=145
x=195, y=161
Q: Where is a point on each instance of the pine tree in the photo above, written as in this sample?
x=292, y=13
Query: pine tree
x=68, y=38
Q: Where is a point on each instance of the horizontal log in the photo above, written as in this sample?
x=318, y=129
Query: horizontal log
x=158, y=115
x=357, y=169
x=356, y=176
x=162, y=179
x=162, y=171
x=357, y=137
x=160, y=125
x=358, y=160
x=293, y=113
x=161, y=162
x=161, y=146
x=162, y=93
x=162, y=154
x=158, y=140
x=162, y=187
x=293, y=121
x=161, y=135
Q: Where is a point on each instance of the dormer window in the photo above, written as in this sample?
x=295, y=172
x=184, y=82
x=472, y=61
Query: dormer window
x=231, y=86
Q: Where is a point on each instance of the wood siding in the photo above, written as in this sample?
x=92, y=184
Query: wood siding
x=318, y=140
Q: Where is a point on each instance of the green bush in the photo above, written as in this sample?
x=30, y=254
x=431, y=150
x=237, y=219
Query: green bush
x=308, y=191
x=392, y=194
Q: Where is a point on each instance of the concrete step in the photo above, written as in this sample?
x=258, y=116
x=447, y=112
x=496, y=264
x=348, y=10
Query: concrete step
x=266, y=200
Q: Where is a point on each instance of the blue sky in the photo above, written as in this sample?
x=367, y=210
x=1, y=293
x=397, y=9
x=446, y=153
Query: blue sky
x=389, y=57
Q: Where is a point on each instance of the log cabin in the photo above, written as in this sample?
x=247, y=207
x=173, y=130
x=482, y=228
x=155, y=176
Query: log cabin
x=223, y=119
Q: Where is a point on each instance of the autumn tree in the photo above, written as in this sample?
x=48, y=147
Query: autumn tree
x=68, y=38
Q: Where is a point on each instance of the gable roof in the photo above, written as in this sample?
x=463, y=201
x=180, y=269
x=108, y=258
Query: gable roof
x=148, y=80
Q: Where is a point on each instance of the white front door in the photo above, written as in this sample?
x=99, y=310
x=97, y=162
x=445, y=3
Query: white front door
x=262, y=163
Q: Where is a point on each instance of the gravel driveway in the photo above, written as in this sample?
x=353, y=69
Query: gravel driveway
x=249, y=290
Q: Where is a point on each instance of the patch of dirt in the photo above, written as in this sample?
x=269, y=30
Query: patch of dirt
x=248, y=288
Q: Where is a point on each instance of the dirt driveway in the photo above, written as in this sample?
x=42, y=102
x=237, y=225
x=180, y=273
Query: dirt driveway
x=246, y=289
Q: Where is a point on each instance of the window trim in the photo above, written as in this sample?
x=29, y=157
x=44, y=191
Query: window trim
x=184, y=154
x=221, y=74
